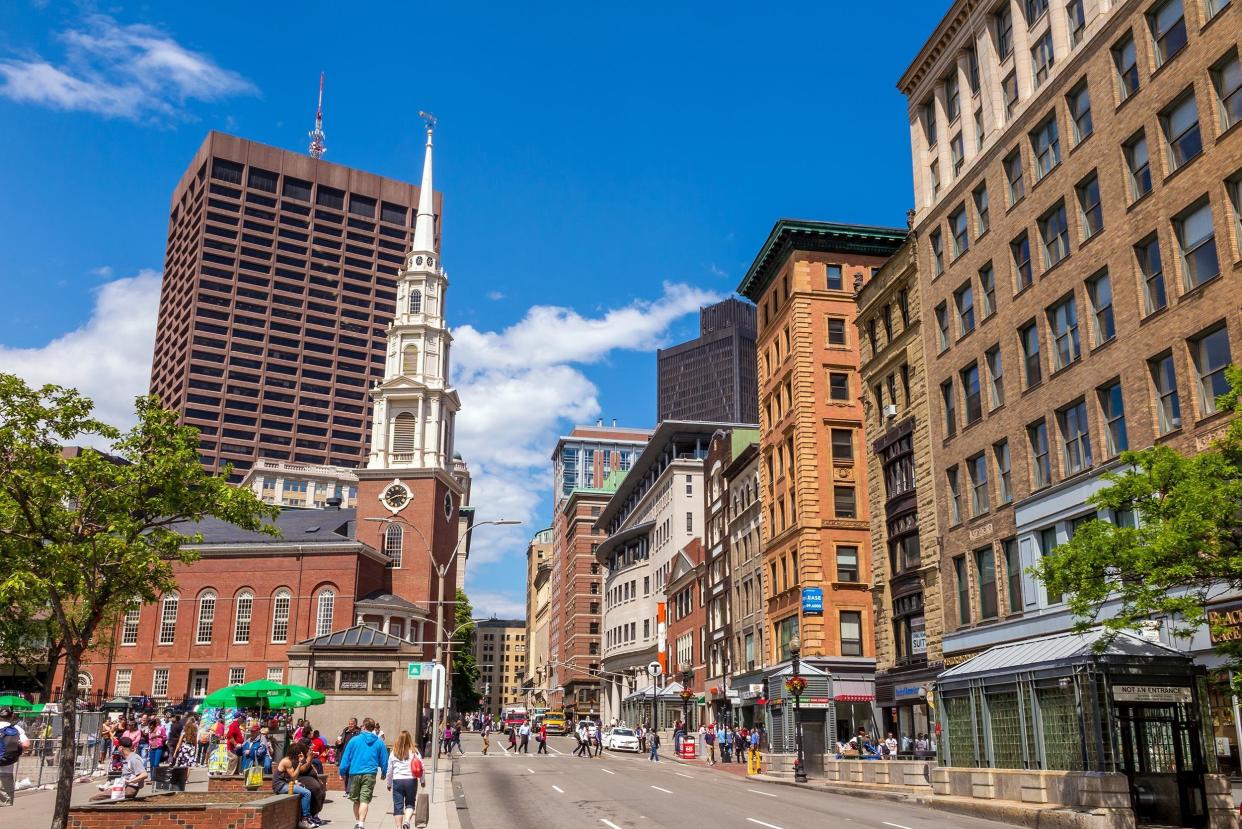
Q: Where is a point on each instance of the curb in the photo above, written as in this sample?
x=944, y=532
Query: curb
x=848, y=791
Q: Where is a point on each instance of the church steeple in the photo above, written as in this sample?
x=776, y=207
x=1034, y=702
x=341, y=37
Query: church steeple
x=415, y=408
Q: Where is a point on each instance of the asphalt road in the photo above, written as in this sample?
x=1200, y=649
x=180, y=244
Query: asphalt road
x=627, y=791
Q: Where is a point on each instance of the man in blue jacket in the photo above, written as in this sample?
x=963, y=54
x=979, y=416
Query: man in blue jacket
x=364, y=757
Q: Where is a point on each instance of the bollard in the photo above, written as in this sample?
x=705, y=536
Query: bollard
x=422, y=809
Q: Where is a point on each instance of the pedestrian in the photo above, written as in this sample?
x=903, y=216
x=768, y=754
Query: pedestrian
x=133, y=771
x=524, y=732
x=13, y=743
x=542, y=739
x=513, y=738
x=318, y=748
x=175, y=727
x=185, y=752
x=365, y=755
x=754, y=743
x=204, y=746
x=709, y=737
x=285, y=781
x=740, y=741
x=584, y=736
x=310, y=779
x=457, y=729
x=890, y=745
x=655, y=747
x=350, y=731
x=233, y=742
x=641, y=733
x=487, y=741
x=254, y=750
x=597, y=736
x=405, y=769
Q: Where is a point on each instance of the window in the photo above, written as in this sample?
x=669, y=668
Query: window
x=124, y=678
x=244, y=611
x=1054, y=231
x=280, y=617
x=937, y=251
x=1004, y=471
x=1100, y=291
x=393, y=536
x=1198, y=245
x=276, y=674
x=842, y=446
x=1077, y=19
x=1180, y=121
x=1090, y=212
x=1075, y=437
x=834, y=278
x=836, y=331
x=978, y=469
x=985, y=568
x=1113, y=413
x=963, y=590
x=964, y=302
x=237, y=676
x=942, y=325
x=843, y=503
x=129, y=629
x=1009, y=89
x=1227, y=80
x=1211, y=356
x=1042, y=58
x=972, y=69
x=1139, y=165
x=950, y=408
x=1013, y=574
x=952, y=97
x=1168, y=403
x=1234, y=187
x=1035, y=9
x=690, y=522
x=996, y=377
x=381, y=681
x=847, y=563
x=982, y=220
x=1063, y=323
x=980, y=133
x=1125, y=58
x=168, y=618
x=838, y=385
x=955, y=495
x=1046, y=144
x=903, y=304
x=1004, y=31
x=929, y=122
x=1168, y=29
x=206, y=618
x=987, y=282
x=851, y=633
x=957, y=154
x=970, y=392
x=159, y=683
x=1148, y=254
x=1013, y=175
x=1021, y=249
x=323, y=613
x=1028, y=335
x=1048, y=543
x=1041, y=462
x=1214, y=7
x=961, y=231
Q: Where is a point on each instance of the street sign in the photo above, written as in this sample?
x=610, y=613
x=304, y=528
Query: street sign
x=421, y=670
x=437, y=695
x=812, y=600
x=654, y=669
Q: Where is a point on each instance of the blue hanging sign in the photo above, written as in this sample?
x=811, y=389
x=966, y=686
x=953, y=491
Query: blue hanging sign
x=812, y=600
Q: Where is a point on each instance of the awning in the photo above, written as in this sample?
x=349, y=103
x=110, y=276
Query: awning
x=670, y=691
x=852, y=690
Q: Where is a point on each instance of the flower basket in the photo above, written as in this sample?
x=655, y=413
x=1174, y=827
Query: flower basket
x=795, y=685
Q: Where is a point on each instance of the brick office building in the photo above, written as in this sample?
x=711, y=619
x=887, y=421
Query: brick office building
x=686, y=612
x=280, y=277
x=1077, y=181
x=746, y=606
x=816, y=535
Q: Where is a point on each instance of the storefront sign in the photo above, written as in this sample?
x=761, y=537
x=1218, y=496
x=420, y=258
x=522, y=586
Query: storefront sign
x=1152, y=693
x=1225, y=622
x=909, y=692
x=732, y=694
x=812, y=600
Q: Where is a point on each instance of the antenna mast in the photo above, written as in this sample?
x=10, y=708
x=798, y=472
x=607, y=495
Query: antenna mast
x=317, y=146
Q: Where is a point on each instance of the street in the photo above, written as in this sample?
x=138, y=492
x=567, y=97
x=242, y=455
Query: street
x=619, y=791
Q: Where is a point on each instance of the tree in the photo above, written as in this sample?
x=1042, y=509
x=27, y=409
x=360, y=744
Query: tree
x=85, y=534
x=30, y=641
x=466, y=696
x=1184, y=548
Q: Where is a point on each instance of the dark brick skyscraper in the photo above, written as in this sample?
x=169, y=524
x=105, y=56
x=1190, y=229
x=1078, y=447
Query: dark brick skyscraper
x=711, y=379
x=279, y=283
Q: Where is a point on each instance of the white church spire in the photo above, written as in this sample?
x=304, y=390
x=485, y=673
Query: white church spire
x=415, y=407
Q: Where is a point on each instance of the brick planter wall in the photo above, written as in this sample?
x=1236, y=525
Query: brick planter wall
x=160, y=810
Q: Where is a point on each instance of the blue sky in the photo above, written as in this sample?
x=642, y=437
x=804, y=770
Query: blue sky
x=605, y=169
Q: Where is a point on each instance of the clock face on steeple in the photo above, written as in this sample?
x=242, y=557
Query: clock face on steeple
x=395, y=496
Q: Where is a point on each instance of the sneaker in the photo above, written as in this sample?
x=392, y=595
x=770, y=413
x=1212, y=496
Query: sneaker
x=405, y=825
x=305, y=823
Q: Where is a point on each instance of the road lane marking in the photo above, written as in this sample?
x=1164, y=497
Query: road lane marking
x=558, y=752
x=765, y=794
x=896, y=825
x=761, y=823
x=609, y=823
x=607, y=771
x=559, y=789
x=666, y=791
x=679, y=774
x=532, y=771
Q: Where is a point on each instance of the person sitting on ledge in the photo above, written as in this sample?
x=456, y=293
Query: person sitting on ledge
x=133, y=772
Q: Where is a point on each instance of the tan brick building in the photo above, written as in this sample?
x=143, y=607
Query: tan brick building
x=814, y=490
x=500, y=652
x=1077, y=178
x=538, y=579
x=905, y=569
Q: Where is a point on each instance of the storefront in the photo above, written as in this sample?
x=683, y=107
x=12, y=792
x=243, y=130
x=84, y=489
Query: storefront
x=745, y=693
x=659, y=705
x=904, y=700
x=832, y=709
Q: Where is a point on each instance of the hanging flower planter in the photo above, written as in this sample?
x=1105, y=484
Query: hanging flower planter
x=795, y=685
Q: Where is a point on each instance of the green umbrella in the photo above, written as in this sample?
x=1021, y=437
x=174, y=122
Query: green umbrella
x=257, y=693
x=15, y=702
x=298, y=696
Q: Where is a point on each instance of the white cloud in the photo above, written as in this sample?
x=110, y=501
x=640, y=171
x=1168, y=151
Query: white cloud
x=485, y=605
x=495, y=296
x=103, y=271
x=138, y=72
x=109, y=357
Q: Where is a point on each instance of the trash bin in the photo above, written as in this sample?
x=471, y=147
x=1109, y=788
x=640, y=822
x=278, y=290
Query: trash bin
x=162, y=778
x=688, y=746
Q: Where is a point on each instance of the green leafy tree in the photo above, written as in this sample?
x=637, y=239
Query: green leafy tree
x=466, y=696
x=30, y=642
x=86, y=534
x=1185, y=548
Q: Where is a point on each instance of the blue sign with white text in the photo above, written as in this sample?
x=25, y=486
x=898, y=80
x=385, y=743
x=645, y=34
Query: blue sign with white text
x=812, y=600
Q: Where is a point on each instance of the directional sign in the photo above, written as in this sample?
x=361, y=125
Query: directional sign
x=654, y=669
x=421, y=670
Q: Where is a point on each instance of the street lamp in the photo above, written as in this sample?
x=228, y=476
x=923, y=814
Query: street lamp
x=441, y=572
x=687, y=676
x=796, y=685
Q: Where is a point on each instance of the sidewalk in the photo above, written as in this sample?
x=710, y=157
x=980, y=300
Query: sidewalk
x=442, y=813
x=736, y=769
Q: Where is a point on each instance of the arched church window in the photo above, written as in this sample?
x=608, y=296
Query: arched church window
x=416, y=301
x=392, y=545
x=409, y=359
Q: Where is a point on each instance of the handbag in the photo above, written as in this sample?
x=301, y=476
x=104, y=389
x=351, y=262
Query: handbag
x=416, y=768
x=254, y=776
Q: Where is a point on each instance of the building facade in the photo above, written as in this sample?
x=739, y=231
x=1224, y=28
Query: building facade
x=538, y=574
x=906, y=569
x=500, y=653
x=712, y=377
x=1088, y=313
x=745, y=528
x=685, y=602
x=308, y=485
x=280, y=279
x=816, y=537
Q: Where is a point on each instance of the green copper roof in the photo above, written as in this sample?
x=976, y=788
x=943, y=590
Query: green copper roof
x=613, y=480
x=789, y=235
x=740, y=439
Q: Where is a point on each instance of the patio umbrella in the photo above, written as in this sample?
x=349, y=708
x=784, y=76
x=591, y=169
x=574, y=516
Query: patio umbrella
x=297, y=696
x=257, y=693
x=15, y=702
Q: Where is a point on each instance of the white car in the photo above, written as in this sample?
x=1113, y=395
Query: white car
x=621, y=739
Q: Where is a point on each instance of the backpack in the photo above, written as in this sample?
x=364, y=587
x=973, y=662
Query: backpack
x=12, y=745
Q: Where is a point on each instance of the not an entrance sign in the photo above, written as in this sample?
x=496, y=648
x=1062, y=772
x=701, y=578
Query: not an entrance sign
x=1169, y=694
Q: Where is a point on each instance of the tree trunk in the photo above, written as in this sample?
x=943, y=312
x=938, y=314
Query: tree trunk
x=68, y=753
x=52, y=656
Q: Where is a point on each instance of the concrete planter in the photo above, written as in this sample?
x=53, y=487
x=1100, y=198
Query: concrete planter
x=202, y=810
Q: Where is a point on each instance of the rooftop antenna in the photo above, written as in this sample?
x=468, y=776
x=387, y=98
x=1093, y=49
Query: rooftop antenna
x=317, y=146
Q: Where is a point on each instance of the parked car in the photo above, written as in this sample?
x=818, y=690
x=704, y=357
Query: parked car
x=621, y=739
